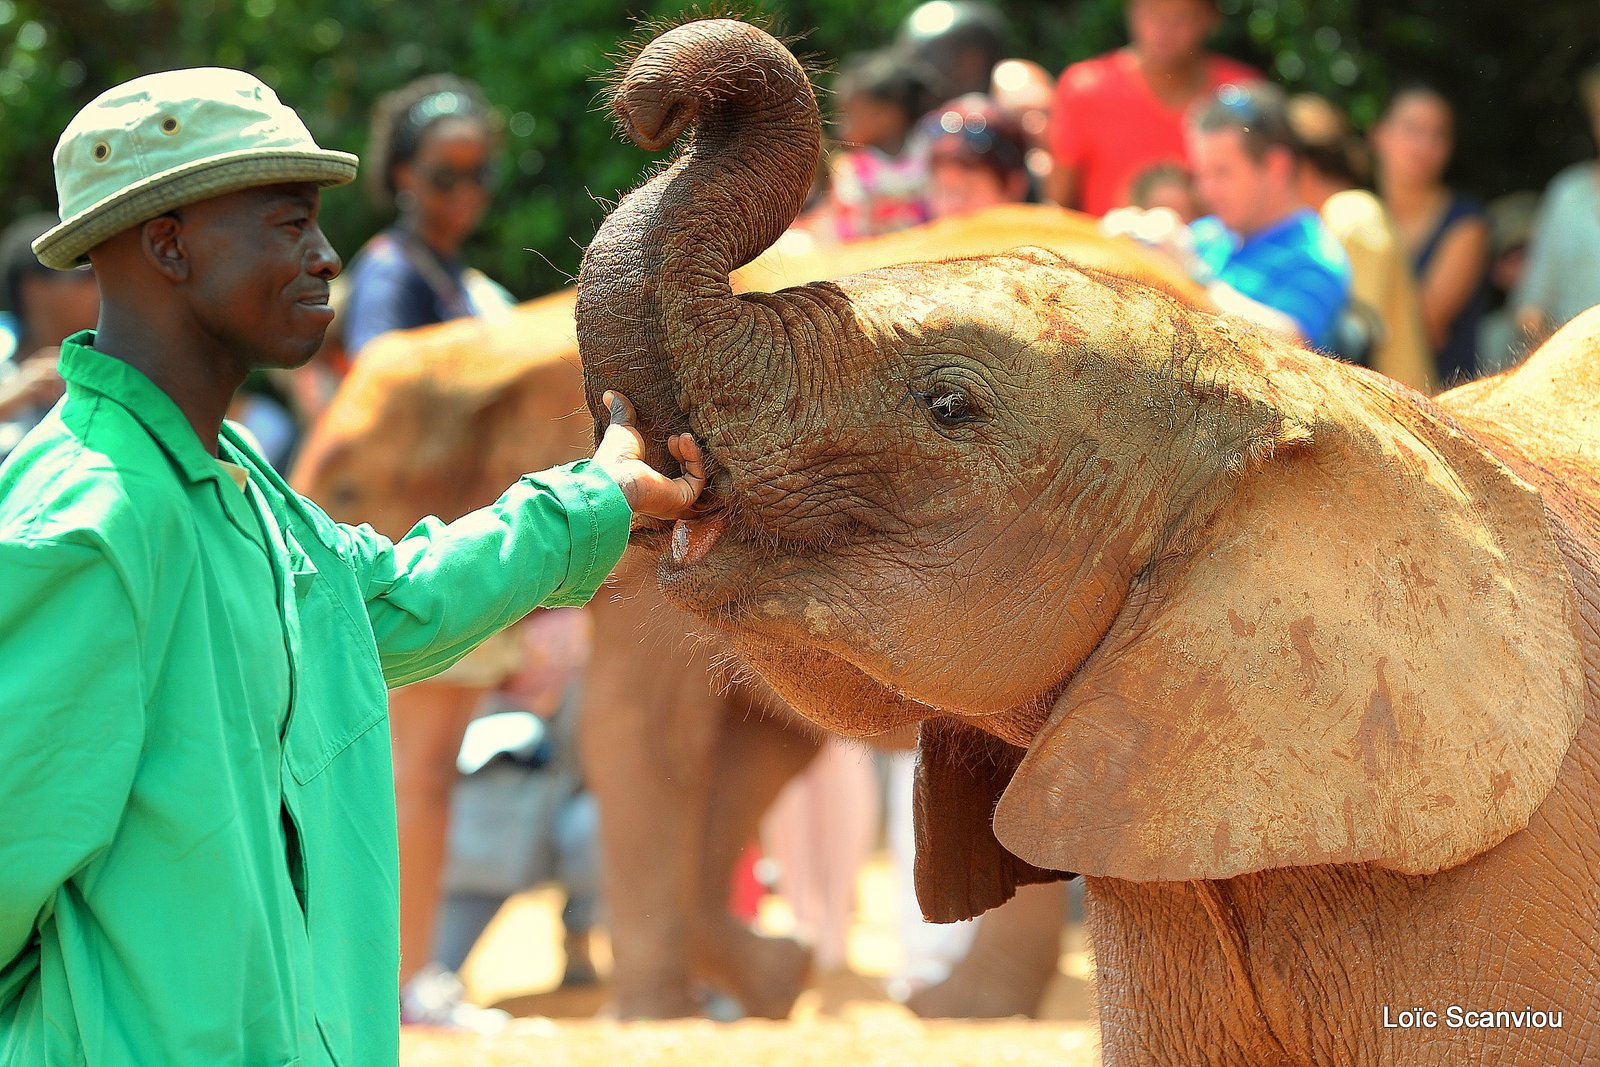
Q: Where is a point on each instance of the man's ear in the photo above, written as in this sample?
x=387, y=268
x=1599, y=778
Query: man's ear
x=162, y=241
x=1282, y=163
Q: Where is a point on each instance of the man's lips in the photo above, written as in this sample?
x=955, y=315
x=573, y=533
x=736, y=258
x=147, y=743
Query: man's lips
x=315, y=301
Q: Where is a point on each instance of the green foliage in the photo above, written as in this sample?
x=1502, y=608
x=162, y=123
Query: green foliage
x=1511, y=69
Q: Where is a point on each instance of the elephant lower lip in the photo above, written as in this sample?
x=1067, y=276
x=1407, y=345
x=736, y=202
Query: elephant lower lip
x=692, y=539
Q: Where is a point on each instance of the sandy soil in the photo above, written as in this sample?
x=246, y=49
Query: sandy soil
x=869, y=1041
x=845, y=1019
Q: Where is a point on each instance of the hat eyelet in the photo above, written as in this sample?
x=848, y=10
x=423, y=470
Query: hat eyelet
x=169, y=125
x=101, y=152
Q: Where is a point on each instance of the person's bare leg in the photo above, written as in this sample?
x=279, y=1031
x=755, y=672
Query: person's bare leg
x=820, y=831
x=426, y=721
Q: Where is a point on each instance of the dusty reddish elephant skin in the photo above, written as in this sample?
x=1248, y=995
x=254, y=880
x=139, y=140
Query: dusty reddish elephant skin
x=1297, y=666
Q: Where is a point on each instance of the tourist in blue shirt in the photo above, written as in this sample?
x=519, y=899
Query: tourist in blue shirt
x=1262, y=253
x=1260, y=240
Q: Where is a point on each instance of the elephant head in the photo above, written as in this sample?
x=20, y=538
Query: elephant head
x=1172, y=599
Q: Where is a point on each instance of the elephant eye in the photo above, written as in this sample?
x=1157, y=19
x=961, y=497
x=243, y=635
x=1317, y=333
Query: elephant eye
x=948, y=406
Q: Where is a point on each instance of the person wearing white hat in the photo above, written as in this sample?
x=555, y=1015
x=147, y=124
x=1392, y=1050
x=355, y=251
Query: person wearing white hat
x=197, y=855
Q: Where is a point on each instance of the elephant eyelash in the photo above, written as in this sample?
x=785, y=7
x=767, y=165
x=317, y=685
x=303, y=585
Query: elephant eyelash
x=949, y=407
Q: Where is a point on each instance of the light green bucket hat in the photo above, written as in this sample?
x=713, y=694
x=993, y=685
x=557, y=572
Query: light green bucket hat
x=165, y=140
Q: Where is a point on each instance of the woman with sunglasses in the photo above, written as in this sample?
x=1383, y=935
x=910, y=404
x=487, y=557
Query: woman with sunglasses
x=431, y=160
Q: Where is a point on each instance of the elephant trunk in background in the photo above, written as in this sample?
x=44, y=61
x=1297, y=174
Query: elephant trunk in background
x=664, y=256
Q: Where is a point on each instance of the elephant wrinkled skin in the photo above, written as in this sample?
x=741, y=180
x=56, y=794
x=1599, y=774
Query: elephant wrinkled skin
x=1298, y=667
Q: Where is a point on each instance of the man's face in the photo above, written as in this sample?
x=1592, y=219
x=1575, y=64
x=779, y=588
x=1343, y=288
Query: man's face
x=259, y=268
x=1168, y=32
x=1230, y=183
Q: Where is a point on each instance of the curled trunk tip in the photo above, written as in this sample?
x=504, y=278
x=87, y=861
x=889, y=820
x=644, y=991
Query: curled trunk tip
x=659, y=266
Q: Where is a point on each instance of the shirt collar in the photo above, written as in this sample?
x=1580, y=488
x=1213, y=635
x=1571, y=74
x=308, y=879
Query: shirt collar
x=1295, y=220
x=83, y=366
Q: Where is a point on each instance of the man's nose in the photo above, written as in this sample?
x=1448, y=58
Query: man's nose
x=324, y=262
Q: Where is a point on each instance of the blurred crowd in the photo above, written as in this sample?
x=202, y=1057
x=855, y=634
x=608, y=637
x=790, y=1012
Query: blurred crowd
x=1157, y=137
x=1350, y=240
x=1353, y=241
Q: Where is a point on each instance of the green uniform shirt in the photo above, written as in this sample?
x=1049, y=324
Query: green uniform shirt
x=197, y=832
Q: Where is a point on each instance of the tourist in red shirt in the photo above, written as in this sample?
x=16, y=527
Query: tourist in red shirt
x=1117, y=114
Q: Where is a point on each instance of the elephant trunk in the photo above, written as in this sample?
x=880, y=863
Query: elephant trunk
x=656, y=316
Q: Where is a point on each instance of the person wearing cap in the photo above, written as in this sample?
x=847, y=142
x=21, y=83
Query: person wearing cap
x=1119, y=113
x=198, y=855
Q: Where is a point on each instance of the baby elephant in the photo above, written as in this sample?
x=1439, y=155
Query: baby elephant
x=1295, y=666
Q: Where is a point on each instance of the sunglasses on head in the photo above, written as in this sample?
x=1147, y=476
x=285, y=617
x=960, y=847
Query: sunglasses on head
x=979, y=139
x=1239, y=102
x=446, y=179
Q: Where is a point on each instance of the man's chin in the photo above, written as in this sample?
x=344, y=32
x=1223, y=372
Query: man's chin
x=292, y=358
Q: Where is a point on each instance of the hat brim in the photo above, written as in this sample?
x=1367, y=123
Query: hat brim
x=67, y=245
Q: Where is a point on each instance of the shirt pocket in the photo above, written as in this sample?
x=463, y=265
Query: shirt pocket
x=339, y=691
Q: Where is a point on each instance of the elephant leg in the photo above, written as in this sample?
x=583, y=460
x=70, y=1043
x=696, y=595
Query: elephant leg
x=1014, y=955
x=649, y=729
x=756, y=757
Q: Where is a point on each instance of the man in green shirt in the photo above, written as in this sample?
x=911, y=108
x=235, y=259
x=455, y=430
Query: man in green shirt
x=197, y=839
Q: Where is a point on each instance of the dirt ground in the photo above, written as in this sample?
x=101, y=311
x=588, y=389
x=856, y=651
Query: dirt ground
x=845, y=1019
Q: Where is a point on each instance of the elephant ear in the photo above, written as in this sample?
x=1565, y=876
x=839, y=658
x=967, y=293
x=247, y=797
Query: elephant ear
x=961, y=870
x=1370, y=654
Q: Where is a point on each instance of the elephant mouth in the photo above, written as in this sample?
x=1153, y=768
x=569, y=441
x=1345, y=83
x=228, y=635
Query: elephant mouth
x=693, y=538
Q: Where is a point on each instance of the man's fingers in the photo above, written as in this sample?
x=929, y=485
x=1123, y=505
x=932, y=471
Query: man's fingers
x=686, y=450
x=621, y=408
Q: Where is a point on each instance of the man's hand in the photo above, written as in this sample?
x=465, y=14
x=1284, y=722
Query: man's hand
x=1162, y=229
x=649, y=492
